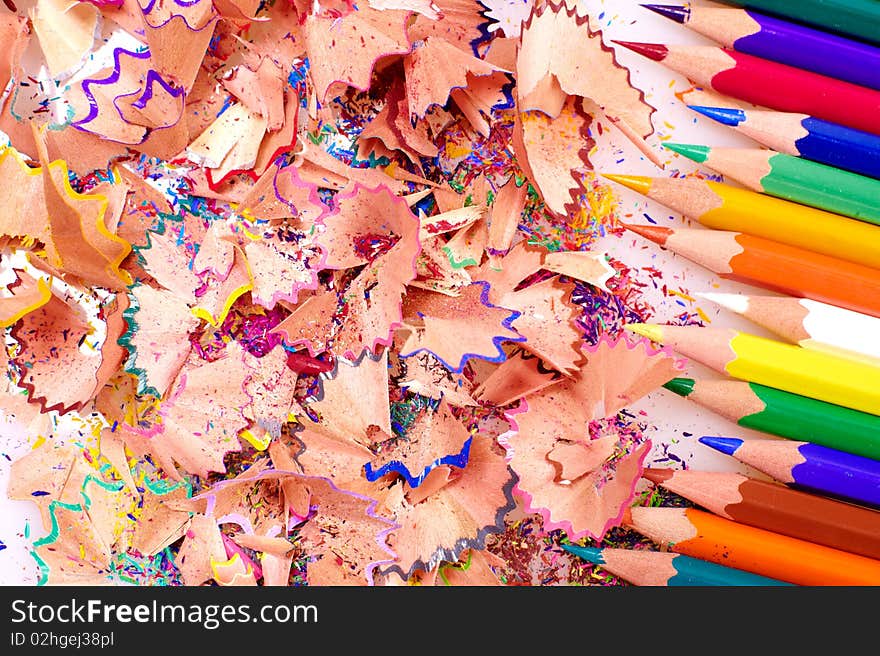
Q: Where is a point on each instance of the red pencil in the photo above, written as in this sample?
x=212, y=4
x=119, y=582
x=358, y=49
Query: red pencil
x=770, y=84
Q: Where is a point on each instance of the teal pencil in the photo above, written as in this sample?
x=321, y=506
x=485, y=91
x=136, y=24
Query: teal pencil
x=663, y=568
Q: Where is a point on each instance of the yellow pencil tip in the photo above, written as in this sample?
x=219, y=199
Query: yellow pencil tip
x=639, y=183
x=651, y=331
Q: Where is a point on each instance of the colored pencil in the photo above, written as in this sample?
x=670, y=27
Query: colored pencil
x=768, y=83
x=725, y=207
x=702, y=535
x=792, y=178
x=813, y=325
x=807, y=466
x=855, y=18
x=821, y=376
x=664, y=568
x=784, y=41
x=776, y=508
x=782, y=413
x=804, y=136
x=772, y=265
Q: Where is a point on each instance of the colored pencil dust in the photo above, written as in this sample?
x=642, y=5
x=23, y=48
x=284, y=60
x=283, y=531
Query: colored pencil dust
x=810, y=324
x=769, y=84
x=784, y=41
x=725, y=207
x=663, y=568
x=776, y=508
x=792, y=178
x=784, y=414
x=807, y=466
x=804, y=136
x=773, y=265
x=776, y=364
x=702, y=535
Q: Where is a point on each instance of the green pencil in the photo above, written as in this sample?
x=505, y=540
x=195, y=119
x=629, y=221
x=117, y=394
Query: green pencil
x=857, y=18
x=792, y=178
x=785, y=414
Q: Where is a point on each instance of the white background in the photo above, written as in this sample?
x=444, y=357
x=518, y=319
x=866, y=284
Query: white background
x=669, y=416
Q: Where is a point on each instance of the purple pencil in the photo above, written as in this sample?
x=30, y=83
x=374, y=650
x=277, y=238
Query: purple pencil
x=810, y=467
x=754, y=33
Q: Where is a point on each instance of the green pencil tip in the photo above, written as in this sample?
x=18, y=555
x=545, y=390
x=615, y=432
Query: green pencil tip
x=681, y=386
x=699, y=154
x=590, y=554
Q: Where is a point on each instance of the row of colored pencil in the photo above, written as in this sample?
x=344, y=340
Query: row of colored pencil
x=745, y=531
x=804, y=223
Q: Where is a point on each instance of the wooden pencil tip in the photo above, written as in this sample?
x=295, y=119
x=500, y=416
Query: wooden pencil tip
x=590, y=554
x=639, y=183
x=678, y=13
x=654, y=233
x=653, y=332
x=658, y=475
x=655, y=51
x=737, y=303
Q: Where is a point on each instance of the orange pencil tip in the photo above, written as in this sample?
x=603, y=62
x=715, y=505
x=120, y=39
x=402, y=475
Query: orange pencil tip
x=655, y=233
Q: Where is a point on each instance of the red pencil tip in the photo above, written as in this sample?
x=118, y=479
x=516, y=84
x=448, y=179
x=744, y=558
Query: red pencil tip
x=655, y=233
x=657, y=476
x=655, y=51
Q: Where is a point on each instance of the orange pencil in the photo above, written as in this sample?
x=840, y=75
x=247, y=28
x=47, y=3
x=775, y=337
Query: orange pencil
x=702, y=535
x=773, y=265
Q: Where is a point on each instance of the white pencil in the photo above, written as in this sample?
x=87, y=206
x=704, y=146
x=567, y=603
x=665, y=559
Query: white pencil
x=810, y=324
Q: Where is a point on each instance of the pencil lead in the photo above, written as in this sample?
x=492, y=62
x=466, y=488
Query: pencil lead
x=726, y=445
x=651, y=331
x=699, y=154
x=738, y=303
x=724, y=115
x=656, y=234
x=678, y=13
x=590, y=554
x=655, y=51
x=639, y=183
x=681, y=386
x=657, y=475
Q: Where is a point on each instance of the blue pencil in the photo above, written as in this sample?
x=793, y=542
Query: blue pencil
x=804, y=136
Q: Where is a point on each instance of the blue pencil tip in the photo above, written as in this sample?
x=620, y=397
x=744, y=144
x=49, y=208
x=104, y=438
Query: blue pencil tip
x=727, y=445
x=723, y=115
x=590, y=554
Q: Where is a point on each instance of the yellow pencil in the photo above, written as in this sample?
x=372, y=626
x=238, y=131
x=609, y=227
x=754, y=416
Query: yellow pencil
x=725, y=207
x=842, y=381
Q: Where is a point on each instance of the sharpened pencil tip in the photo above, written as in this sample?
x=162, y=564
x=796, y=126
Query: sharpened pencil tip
x=678, y=13
x=726, y=445
x=681, y=386
x=655, y=51
x=656, y=234
x=738, y=303
x=638, y=183
x=651, y=331
x=724, y=115
x=657, y=475
x=699, y=154
x=590, y=554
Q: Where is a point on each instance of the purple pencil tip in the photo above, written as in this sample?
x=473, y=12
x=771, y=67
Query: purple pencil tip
x=678, y=13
